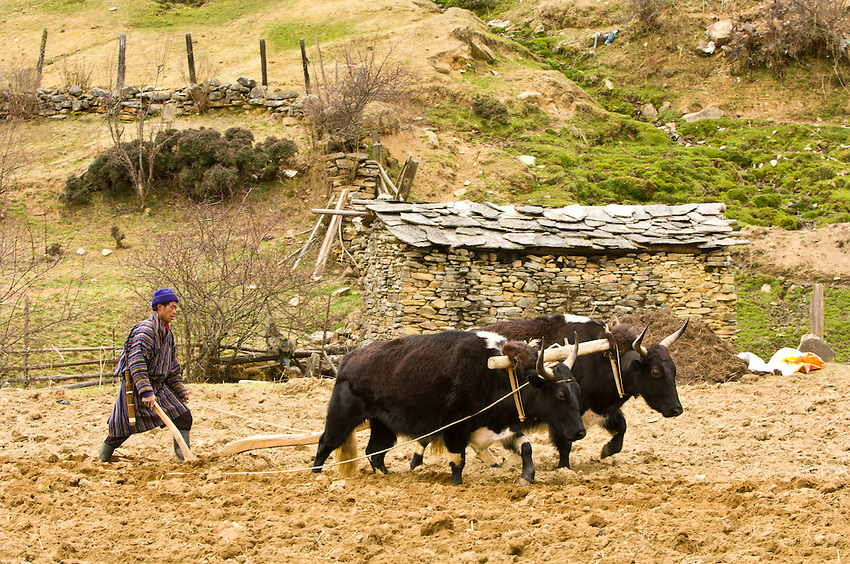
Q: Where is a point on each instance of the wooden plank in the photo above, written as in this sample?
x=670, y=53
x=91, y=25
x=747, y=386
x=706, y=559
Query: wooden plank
x=816, y=311
x=339, y=212
x=407, y=181
x=587, y=347
x=314, y=366
x=404, y=169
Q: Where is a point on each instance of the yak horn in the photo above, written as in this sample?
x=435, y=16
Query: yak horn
x=637, y=346
x=545, y=373
x=670, y=339
x=574, y=354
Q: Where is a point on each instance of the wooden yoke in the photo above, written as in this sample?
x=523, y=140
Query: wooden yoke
x=550, y=355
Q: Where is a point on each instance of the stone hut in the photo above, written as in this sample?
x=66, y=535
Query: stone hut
x=432, y=267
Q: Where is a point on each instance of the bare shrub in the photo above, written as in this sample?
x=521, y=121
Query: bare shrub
x=648, y=14
x=336, y=109
x=11, y=156
x=229, y=276
x=78, y=73
x=23, y=265
x=18, y=86
x=792, y=30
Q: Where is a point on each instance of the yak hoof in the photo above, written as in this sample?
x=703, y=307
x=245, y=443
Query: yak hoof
x=607, y=451
x=415, y=461
x=524, y=482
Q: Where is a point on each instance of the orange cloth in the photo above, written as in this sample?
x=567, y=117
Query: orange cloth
x=804, y=362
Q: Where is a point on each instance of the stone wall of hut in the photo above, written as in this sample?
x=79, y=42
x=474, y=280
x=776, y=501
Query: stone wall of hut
x=411, y=290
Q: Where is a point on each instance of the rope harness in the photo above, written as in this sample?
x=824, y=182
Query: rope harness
x=614, y=357
x=515, y=392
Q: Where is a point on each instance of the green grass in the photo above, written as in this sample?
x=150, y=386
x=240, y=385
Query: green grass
x=151, y=15
x=288, y=35
x=768, y=321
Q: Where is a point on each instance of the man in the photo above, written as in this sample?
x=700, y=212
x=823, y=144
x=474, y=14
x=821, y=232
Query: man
x=148, y=364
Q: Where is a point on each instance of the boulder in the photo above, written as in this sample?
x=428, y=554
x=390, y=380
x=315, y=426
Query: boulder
x=481, y=52
x=648, y=111
x=720, y=32
x=814, y=344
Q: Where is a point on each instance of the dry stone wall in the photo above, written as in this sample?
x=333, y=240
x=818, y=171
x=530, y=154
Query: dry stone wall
x=411, y=290
x=244, y=93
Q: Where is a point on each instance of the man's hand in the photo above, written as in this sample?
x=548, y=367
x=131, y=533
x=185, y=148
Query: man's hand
x=149, y=401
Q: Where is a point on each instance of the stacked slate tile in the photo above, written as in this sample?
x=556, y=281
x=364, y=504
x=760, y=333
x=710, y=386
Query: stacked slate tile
x=608, y=228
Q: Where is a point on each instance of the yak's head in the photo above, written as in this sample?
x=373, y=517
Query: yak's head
x=651, y=373
x=554, y=394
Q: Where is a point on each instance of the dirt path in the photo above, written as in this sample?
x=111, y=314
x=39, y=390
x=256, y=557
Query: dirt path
x=754, y=470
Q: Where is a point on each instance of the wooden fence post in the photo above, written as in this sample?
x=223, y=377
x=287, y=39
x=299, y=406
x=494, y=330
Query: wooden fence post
x=190, y=56
x=40, y=66
x=816, y=311
x=263, y=68
x=122, y=58
x=306, y=63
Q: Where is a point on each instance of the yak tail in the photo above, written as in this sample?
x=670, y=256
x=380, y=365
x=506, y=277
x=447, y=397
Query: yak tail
x=438, y=447
x=345, y=455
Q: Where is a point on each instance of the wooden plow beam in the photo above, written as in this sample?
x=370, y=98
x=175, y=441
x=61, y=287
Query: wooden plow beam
x=557, y=354
x=272, y=441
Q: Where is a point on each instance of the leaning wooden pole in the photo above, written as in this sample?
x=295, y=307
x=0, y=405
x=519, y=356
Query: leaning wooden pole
x=122, y=58
x=305, y=62
x=40, y=66
x=330, y=234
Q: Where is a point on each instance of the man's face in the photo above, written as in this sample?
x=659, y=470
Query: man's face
x=166, y=312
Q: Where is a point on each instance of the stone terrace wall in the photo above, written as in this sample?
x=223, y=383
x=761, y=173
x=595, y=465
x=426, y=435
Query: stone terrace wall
x=244, y=93
x=413, y=290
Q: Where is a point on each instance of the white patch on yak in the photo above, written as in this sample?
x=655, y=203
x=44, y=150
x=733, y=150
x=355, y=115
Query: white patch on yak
x=569, y=318
x=455, y=458
x=492, y=340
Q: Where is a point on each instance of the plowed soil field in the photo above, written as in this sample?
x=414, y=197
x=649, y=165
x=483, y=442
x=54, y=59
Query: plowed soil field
x=756, y=469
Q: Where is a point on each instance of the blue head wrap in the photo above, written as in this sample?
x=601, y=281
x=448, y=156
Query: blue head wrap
x=163, y=296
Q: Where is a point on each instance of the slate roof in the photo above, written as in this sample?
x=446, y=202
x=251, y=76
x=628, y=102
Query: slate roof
x=590, y=228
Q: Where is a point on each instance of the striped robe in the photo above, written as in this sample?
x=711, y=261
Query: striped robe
x=151, y=357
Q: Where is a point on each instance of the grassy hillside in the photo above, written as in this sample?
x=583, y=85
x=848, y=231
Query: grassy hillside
x=780, y=156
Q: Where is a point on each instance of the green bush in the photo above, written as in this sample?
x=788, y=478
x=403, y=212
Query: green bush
x=200, y=163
